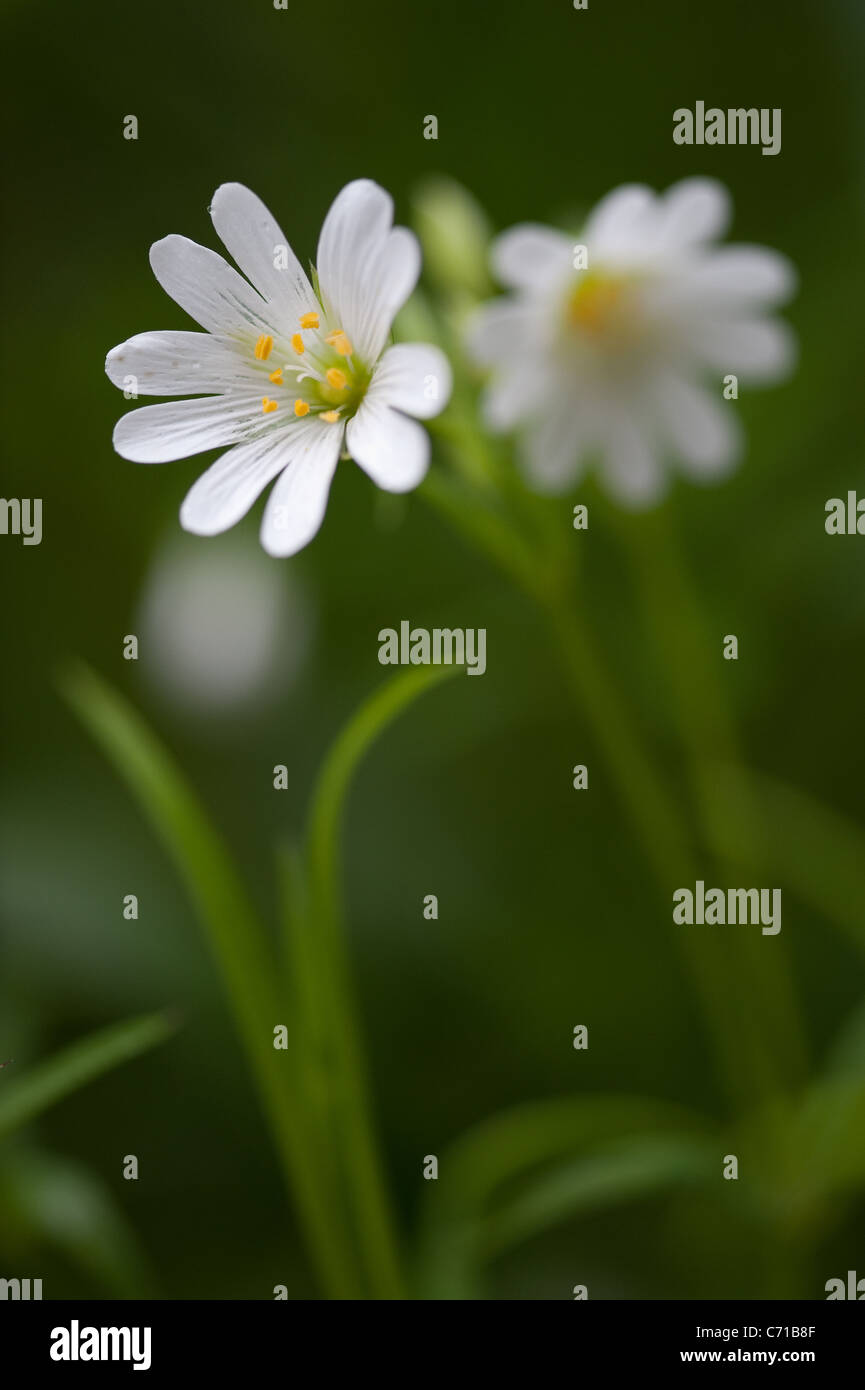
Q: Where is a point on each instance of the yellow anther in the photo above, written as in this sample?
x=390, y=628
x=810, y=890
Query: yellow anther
x=331, y=416
x=301, y=408
x=337, y=379
x=264, y=347
x=309, y=320
x=268, y=406
x=340, y=340
x=595, y=305
x=276, y=377
x=297, y=343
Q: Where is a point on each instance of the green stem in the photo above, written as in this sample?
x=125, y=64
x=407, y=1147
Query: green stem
x=351, y=1108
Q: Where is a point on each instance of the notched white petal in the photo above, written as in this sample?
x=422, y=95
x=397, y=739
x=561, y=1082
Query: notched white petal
x=632, y=470
x=298, y=500
x=703, y=429
x=366, y=267
x=392, y=449
x=758, y=349
x=253, y=237
x=178, y=429
x=622, y=224
x=227, y=490
x=209, y=289
x=530, y=256
x=693, y=211
x=177, y=364
x=414, y=377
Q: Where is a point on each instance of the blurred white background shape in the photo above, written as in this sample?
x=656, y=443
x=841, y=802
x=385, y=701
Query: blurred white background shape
x=224, y=629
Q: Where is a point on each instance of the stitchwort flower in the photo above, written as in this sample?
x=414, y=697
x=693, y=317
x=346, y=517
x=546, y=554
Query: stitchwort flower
x=617, y=346
x=291, y=373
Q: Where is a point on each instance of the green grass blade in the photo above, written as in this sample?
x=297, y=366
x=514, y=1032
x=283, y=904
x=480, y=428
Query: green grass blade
x=236, y=937
x=48, y=1198
x=23, y=1097
x=814, y=850
x=502, y=1157
x=633, y=1168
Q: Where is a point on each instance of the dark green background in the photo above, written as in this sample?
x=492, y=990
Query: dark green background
x=547, y=913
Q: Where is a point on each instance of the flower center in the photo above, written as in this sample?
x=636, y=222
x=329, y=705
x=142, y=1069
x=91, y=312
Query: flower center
x=321, y=373
x=598, y=304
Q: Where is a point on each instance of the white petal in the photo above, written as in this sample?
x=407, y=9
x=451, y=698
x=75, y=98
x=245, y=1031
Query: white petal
x=225, y=493
x=392, y=449
x=399, y=268
x=631, y=469
x=298, y=501
x=366, y=269
x=693, y=211
x=414, y=377
x=203, y=284
x=761, y=349
x=703, y=430
x=734, y=277
x=504, y=330
x=515, y=393
x=256, y=241
x=178, y=364
x=530, y=256
x=551, y=450
x=160, y=433
x=622, y=224
x=177, y=430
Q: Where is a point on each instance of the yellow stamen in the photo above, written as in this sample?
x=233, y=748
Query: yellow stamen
x=337, y=379
x=331, y=416
x=276, y=377
x=297, y=343
x=264, y=347
x=301, y=408
x=309, y=320
x=595, y=303
x=268, y=406
x=340, y=340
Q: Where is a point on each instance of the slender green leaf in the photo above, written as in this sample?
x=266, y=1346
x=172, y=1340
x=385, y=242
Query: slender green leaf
x=847, y=1055
x=499, y=1160
x=237, y=941
x=55, y=1200
x=813, y=849
x=630, y=1169
x=827, y=1138
x=31, y=1092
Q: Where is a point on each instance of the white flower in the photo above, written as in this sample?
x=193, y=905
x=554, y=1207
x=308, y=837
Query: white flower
x=607, y=360
x=294, y=376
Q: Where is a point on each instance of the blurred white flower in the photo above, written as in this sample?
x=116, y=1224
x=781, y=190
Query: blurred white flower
x=294, y=375
x=603, y=350
x=222, y=631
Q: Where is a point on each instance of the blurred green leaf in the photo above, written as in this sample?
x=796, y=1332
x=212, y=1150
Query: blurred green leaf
x=53, y=1200
x=237, y=940
x=30, y=1093
x=847, y=1054
x=815, y=850
x=828, y=1136
x=202, y=860
x=628, y=1169
x=519, y=1169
